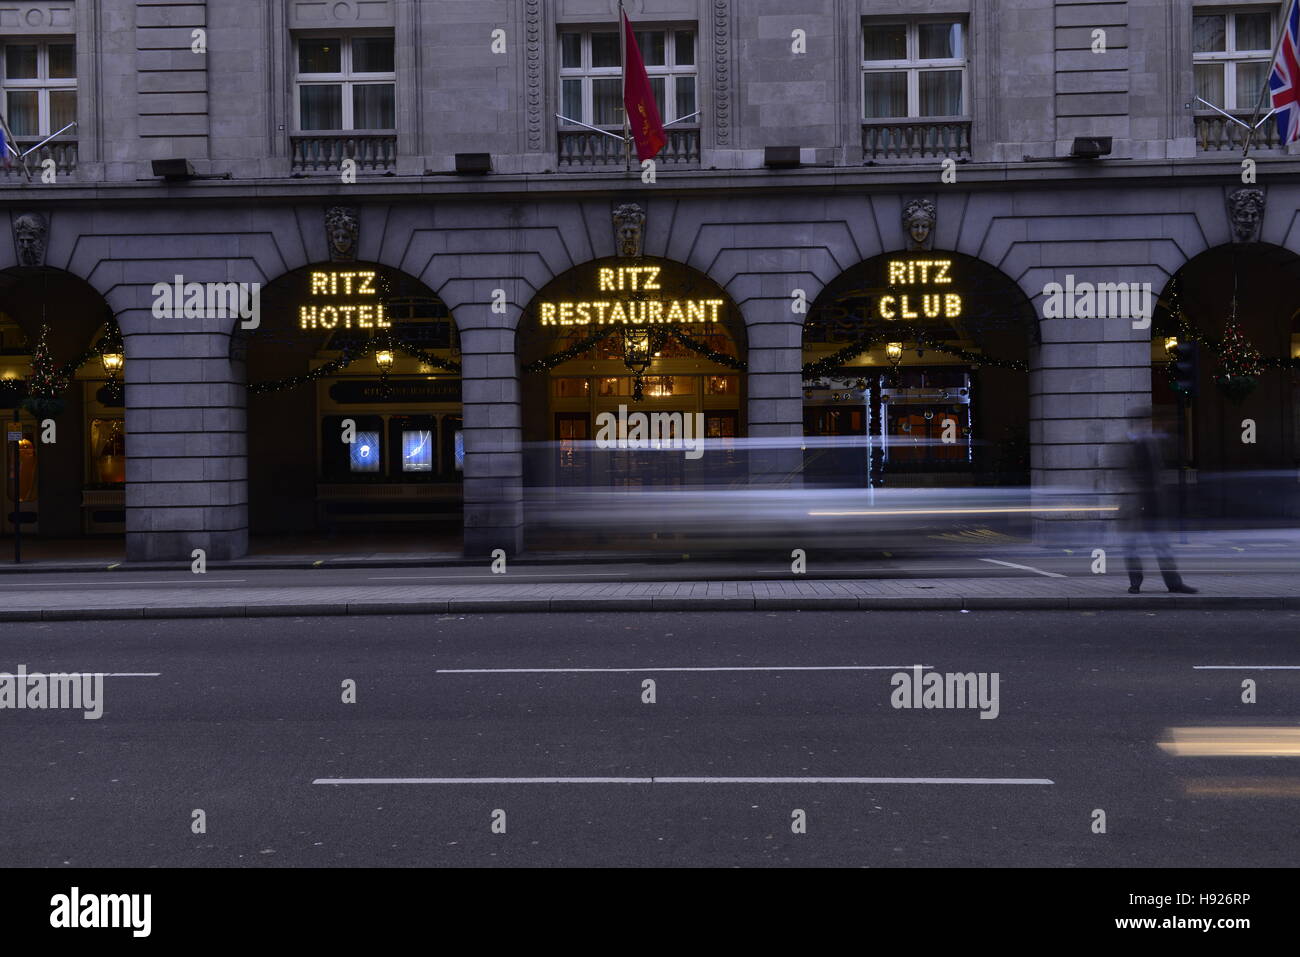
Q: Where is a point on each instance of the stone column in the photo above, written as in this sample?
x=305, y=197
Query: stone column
x=186, y=448
x=494, y=513
x=1087, y=376
x=774, y=381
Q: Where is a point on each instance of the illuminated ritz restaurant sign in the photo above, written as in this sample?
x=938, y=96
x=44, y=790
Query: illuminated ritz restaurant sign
x=616, y=310
x=343, y=300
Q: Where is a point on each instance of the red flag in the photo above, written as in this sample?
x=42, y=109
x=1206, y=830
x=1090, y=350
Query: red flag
x=639, y=100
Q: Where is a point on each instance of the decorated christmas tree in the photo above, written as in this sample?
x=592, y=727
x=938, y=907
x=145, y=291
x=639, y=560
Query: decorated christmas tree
x=47, y=383
x=1239, y=362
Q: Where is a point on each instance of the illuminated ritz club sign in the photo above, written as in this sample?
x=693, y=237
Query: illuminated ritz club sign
x=637, y=312
x=344, y=315
x=917, y=305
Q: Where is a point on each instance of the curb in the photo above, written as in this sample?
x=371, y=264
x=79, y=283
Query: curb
x=656, y=603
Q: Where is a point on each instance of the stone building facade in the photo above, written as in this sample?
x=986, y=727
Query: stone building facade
x=221, y=85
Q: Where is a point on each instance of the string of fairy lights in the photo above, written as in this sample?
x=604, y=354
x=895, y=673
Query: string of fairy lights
x=41, y=393
x=1239, y=361
x=903, y=332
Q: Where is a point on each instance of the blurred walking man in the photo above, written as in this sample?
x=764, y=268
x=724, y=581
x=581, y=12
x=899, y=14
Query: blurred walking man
x=1146, y=516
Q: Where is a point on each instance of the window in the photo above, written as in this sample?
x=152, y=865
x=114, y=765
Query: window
x=591, y=75
x=1231, y=51
x=40, y=87
x=345, y=83
x=107, y=458
x=913, y=68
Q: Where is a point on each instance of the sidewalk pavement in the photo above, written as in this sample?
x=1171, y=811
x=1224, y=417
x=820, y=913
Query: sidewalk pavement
x=1093, y=592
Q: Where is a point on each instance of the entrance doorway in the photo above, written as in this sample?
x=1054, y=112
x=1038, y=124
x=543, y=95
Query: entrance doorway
x=607, y=345
x=61, y=364
x=355, y=420
x=916, y=375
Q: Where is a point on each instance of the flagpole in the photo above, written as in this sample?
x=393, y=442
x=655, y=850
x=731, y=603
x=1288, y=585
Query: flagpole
x=622, y=46
x=1282, y=27
x=13, y=147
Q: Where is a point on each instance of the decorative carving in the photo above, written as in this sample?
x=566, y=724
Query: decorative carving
x=919, y=217
x=30, y=233
x=534, y=93
x=722, y=72
x=629, y=230
x=1245, y=211
x=342, y=229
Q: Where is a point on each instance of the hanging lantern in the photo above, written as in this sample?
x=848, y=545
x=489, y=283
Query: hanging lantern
x=637, y=353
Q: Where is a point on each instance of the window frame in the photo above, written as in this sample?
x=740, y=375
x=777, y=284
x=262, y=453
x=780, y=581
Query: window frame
x=586, y=73
x=913, y=66
x=347, y=79
x=43, y=84
x=1230, y=56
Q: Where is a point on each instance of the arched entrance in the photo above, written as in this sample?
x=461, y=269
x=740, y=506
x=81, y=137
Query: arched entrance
x=916, y=375
x=625, y=363
x=354, y=413
x=61, y=358
x=1230, y=319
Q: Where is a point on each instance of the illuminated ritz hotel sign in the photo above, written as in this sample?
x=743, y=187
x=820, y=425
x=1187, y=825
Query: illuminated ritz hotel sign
x=357, y=313
x=637, y=312
x=916, y=304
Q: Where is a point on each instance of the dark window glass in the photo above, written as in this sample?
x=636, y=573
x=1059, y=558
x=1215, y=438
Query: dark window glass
x=571, y=51
x=684, y=41
x=322, y=107
x=372, y=55
x=605, y=50
x=886, y=42
x=939, y=41
x=320, y=56
x=63, y=61
x=20, y=61
x=372, y=107
x=1209, y=34
x=652, y=46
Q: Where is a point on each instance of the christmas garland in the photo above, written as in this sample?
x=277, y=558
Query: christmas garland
x=334, y=365
x=899, y=332
x=700, y=349
x=351, y=353
x=428, y=358
x=572, y=352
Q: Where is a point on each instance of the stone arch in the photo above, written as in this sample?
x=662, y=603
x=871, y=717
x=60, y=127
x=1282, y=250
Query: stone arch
x=1236, y=480
x=904, y=342
x=76, y=471
x=366, y=343
x=577, y=349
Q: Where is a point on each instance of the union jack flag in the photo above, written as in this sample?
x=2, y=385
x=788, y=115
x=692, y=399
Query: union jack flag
x=1284, y=81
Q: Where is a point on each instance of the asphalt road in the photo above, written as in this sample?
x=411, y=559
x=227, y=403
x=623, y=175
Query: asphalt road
x=243, y=718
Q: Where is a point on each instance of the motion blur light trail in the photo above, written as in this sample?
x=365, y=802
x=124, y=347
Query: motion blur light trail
x=1233, y=742
x=977, y=511
x=1243, y=788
